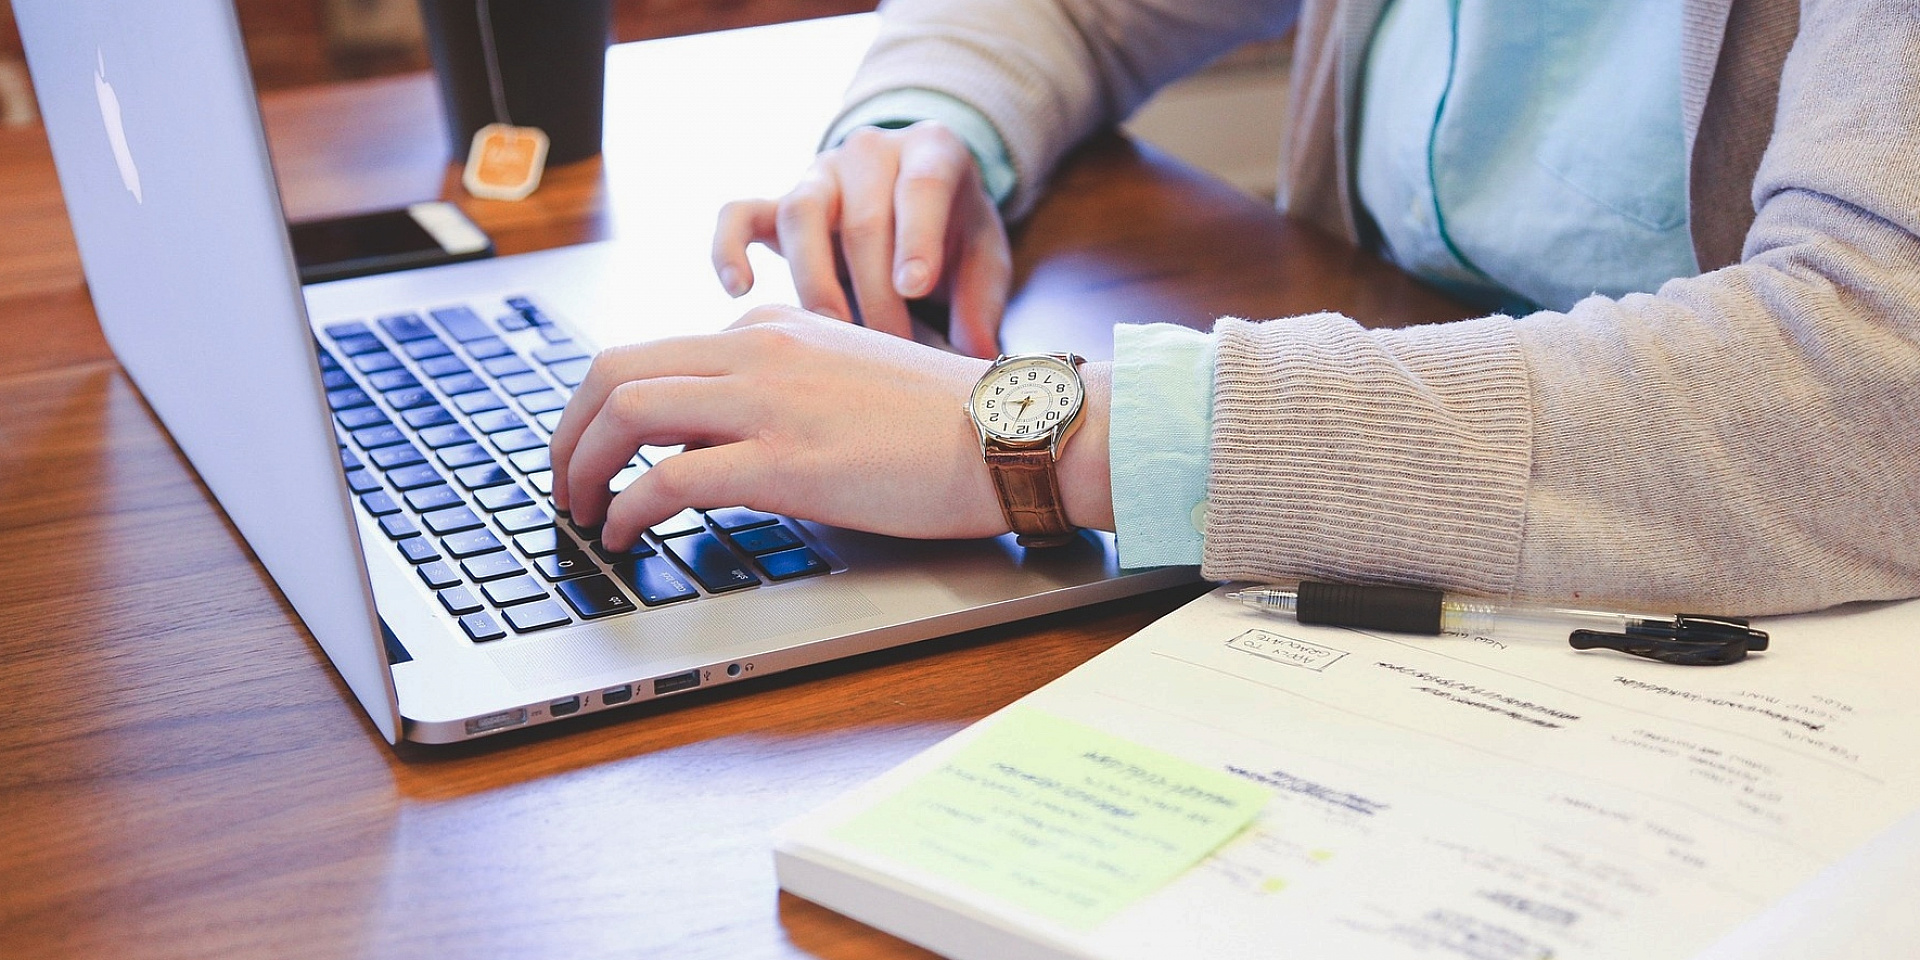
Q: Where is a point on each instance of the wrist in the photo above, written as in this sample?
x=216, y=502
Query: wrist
x=1086, y=479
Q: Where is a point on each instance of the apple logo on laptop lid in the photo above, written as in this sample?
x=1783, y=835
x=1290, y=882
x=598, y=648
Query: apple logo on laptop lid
x=116, y=130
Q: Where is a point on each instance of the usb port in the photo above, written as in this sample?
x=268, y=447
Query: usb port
x=616, y=695
x=561, y=708
x=676, y=683
x=496, y=721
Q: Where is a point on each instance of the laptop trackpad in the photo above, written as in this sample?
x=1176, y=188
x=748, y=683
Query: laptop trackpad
x=677, y=637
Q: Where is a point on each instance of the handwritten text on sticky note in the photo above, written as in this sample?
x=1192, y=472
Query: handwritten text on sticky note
x=1059, y=818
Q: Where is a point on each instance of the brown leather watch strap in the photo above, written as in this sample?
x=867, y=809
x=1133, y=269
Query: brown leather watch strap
x=1029, y=492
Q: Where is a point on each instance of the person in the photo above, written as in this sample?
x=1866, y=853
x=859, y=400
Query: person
x=1695, y=228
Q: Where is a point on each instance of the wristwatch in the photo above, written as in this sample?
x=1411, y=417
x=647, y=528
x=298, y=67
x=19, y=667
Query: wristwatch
x=1025, y=407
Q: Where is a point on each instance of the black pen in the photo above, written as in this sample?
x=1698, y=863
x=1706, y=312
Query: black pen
x=1681, y=638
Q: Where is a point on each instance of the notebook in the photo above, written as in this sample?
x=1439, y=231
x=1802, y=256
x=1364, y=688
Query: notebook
x=379, y=441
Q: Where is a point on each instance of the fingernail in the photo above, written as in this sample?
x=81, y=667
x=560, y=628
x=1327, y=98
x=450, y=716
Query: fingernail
x=911, y=279
x=730, y=279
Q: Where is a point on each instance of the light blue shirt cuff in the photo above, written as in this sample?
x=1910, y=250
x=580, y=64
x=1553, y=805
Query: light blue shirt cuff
x=901, y=108
x=1158, y=444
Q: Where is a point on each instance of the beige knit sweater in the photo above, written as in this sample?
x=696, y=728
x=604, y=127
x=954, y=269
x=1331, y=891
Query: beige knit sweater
x=1745, y=441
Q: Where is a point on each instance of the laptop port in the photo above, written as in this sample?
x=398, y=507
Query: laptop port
x=676, y=683
x=497, y=721
x=617, y=695
x=561, y=708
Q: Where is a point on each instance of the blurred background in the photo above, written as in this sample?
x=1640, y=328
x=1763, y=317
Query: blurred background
x=1226, y=120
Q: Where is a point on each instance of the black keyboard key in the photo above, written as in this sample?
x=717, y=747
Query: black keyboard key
x=438, y=575
x=711, y=562
x=549, y=421
x=488, y=348
x=467, y=455
x=450, y=520
x=655, y=580
x=526, y=308
x=516, y=440
x=361, y=480
x=520, y=384
x=379, y=503
x=427, y=349
x=492, y=566
x=460, y=383
x=679, y=525
x=542, y=481
x=512, y=322
x=788, y=564
x=539, y=543
x=426, y=499
x=445, y=435
x=640, y=548
x=533, y=461
x=410, y=398
x=494, y=421
x=594, y=596
x=418, y=550
x=770, y=539
x=337, y=379
x=406, y=327
x=347, y=398
x=358, y=417
x=445, y=366
x=496, y=499
x=327, y=362
x=350, y=328
x=543, y=402
x=554, y=334
x=360, y=344
x=522, y=519
x=571, y=372
x=398, y=526
x=730, y=519
x=387, y=380
x=398, y=455
x=428, y=416
x=384, y=435
x=376, y=361
x=482, y=475
x=502, y=593
x=536, y=616
x=565, y=564
x=462, y=324
x=505, y=366
x=459, y=600
x=482, y=627
x=559, y=351
x=472, y=543
x=479, y=401
x=414, y=477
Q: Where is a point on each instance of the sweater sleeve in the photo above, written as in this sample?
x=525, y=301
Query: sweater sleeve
x=1745, y=441
x=1046, y=73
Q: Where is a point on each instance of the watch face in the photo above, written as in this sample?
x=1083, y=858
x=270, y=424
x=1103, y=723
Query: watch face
x=1026, y=398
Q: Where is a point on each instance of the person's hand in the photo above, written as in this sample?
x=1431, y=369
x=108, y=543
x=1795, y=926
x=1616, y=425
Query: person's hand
x=902, y=215
x=787, y=413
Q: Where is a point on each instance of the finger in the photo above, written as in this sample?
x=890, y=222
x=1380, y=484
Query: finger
x=980, y=287
x=707, y=477
x=868, y=171
x=741, y=224
x=665, y=412
x=925, y=195
x=804, y=225
x=671, y=357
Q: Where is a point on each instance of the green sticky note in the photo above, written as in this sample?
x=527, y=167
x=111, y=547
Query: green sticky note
x=1058, y=818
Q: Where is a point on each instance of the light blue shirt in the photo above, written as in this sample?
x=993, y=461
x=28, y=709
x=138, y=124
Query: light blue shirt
x=1520, y=155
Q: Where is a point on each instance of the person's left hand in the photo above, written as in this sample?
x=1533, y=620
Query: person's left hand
x=786, y=412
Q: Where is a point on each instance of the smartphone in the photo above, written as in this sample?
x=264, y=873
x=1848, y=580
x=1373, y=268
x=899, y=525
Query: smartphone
x=416, y=235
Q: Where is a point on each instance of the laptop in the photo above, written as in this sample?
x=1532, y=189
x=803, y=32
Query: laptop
x=380, y=442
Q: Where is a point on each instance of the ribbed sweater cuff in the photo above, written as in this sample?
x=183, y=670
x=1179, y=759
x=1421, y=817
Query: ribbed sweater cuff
x=1396, y=456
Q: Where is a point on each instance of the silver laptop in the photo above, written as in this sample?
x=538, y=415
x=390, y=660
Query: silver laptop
x=380, y=442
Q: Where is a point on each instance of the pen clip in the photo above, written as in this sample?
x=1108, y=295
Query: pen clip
x=1689, y=639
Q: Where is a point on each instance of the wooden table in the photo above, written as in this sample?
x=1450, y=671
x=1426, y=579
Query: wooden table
x=183, y=775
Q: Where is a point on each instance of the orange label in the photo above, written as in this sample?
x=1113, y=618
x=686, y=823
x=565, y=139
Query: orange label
x=505, y=161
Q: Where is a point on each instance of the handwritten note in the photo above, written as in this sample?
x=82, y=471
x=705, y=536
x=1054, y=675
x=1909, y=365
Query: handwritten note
x=1061, y=819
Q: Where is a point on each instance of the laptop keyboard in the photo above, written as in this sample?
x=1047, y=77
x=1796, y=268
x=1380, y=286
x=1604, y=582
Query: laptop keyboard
x=443, y=419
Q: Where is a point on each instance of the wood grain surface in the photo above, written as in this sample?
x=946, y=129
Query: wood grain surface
x=183, y=775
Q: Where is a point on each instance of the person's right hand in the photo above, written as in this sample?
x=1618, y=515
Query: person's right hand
x=901, y=215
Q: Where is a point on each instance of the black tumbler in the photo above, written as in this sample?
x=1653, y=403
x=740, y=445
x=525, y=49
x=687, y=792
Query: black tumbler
x=551, y=57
